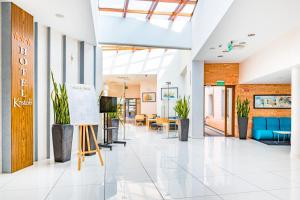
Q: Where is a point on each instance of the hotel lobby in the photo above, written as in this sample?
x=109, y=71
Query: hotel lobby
x=150, y=99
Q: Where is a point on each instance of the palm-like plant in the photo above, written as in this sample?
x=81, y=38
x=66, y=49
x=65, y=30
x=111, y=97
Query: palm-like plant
x=243, y=107
x=182, y=108
x=59, y=99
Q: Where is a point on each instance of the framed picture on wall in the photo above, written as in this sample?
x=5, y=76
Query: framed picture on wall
x=149, y=96
x=171, y=93
x=276, y=101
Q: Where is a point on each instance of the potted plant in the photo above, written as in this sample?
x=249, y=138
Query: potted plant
x=114, y=121
x=62, y=130
x=182, y=108
x=243, y=109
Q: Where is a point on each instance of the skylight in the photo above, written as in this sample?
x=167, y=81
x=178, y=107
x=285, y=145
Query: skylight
x=169, y=10
x=135, y=60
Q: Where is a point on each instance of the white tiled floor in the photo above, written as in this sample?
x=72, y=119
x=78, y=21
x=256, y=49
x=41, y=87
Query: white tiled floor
x=153, y=167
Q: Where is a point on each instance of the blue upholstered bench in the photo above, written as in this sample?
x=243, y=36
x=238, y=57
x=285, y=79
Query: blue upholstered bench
x=263, y=127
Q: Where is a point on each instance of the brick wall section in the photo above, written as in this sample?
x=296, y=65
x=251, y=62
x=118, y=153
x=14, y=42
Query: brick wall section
x=228, y=72
x=247, y=91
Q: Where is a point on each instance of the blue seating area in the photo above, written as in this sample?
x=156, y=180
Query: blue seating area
x=263, y=127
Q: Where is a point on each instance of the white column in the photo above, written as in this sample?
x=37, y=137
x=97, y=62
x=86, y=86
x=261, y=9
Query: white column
x=295, y=140
x=197, y=99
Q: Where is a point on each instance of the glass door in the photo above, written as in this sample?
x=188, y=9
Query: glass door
x=229, y=111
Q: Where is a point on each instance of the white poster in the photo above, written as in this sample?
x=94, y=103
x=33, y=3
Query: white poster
x=83, y=106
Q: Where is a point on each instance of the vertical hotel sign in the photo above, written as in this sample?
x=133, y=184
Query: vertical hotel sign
x=22, y=31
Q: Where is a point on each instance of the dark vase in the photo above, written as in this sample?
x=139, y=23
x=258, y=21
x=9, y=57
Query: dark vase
x=62, y=136
x=243, y=127
x=91, y=139
x=115, y=132
x=183, y=129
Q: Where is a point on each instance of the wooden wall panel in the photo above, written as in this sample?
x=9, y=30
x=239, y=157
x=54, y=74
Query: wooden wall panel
x=22, y=88
x=247, y=91
x=228, y=72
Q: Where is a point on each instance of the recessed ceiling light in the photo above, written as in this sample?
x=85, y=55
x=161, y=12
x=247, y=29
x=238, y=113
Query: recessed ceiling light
x=225, y=51
x=220, y=56
x=251, y=34
x=212, y=48
x=242, y=43
x=220, y=45
x=59, y=15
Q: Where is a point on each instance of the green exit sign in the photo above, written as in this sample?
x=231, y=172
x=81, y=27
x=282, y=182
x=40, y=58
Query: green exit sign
x=230, y=46
x=220, y=83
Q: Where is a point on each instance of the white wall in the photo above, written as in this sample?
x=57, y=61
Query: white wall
x=148, y=107
x=206, y=17
x=281, y=54
x=117, y=30
x=72, y=77
x=172, y=73
x=88, y=64
x=42, y=92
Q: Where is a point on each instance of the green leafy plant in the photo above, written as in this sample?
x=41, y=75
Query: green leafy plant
x=59, y=99
x=182, y=108
x=243, y=107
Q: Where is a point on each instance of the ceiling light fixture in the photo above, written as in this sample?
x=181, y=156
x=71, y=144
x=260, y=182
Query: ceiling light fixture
x=251, y=34
x=58, y=15
x=220, y=56
x=212, y=48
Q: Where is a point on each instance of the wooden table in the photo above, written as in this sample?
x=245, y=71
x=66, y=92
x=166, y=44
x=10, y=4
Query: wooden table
x=149, y=121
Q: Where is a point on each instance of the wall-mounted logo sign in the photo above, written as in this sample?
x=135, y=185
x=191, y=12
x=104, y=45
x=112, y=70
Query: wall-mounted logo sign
x=23, y=50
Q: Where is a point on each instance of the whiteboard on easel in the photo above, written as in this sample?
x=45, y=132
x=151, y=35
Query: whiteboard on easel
x=83, y=106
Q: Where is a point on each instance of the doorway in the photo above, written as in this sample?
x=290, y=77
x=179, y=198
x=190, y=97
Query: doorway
x=219, y=111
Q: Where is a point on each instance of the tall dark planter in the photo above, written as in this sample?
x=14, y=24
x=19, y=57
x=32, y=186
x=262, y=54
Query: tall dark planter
x=62, y=136
x=115, y=132
x=243, y=127
x=92, y=143
x=183, y=129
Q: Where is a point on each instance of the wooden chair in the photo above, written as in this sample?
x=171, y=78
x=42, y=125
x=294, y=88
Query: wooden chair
x=139, y=120
x=161, y=122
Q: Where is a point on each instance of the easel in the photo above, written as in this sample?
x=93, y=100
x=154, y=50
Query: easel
x=84, y=134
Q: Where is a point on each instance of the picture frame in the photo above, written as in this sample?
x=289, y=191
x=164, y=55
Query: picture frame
x=173, y=93
x=149, y=96
x=272, y=101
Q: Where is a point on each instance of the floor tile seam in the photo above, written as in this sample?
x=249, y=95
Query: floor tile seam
x=148, y=174
x=55, y=183
x=196, y=178
x=283, y=177
x=252, y=183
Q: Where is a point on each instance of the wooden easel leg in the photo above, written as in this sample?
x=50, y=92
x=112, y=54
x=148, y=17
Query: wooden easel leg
x=97, y=148
x=79, y=148
x=88, y=138
x=83, y=143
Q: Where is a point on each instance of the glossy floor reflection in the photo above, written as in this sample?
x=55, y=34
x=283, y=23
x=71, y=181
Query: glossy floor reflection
x=154, y=167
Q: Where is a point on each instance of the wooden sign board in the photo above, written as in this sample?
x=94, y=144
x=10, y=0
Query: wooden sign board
x=17, y=87
x=83, y=106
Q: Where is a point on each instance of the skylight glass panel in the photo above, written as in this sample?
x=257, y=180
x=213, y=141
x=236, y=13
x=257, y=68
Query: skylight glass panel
x=166, y=7
x=111, y=3
x=136, y=68
x=188, y=8
x=139, y=5
x=119, y=70
x=139, y=56
x=140, y=17
x=156, y=53
x=122, y=58
x=152, y=63
x=167, y=60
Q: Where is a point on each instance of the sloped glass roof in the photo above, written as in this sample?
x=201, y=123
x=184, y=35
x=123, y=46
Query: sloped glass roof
x=135, y=60
x=147, y=9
